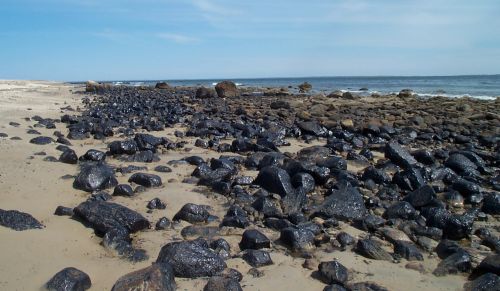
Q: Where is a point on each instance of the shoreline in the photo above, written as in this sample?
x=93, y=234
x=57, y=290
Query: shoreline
x=66, y=242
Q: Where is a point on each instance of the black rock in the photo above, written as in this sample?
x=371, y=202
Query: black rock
x=333, y=272
x=460, y=163
x=254, y=239
x=277, y=223
x=193, y=213
x=220, y=244
x=424, y=157
x=453, y=226
x=257, y=258
x=191, y=259
x=457, y=262
x=346, y=203
x=421, y=197
x=93, y=156
x=304, y=181
x=156, y=203
x=313, y=128
x=491, y=203
x=146, y=180
x=94, y=177
x=490, y=264
x=63, y=211
x=297, y=238
x=69, y=279
x=267, y=206
x=123, y=190
x=162, y=224
x=222, y=284
x=275, y=180
x=371, y=249
x=408, y=251
x=398, y=155
x=446, y=248
x=104, y=216
x=41, y=140
x=334, y=287
x=366, y=286
x=409, y=179
x=19, y=221
x=402, y=210
x=128, y=147
x=466, y=187
x=345, y=239
x=376, y=175
x=154, y=277
x=486, y=282
x=235, y=217
x=69, y=157
x=163, y=169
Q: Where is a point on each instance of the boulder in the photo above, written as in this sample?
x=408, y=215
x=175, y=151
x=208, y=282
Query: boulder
x=486, y=282
x=123, y=190
x=104, y=216
x=408, y=251
x=193, y=213
x=146, y=180
x=421, y=197
x=333, y=272
x=19, y=221
x=297, y=238
x=155, y=277
x=69, y=157
x=457, y=262
x=257, y=258
x=69, y=279
x=371, y=249
x=191, y=259
x=226, y=89
x=398, y=155
x=41, y=140
x=305, y=87
x=345, y=203
x=222, y=284
x=254, y=239
x=95, y=176
x=203, y=93
x=162, y=85
x=275, y=180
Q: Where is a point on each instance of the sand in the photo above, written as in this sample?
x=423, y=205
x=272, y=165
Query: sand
x=30, y=258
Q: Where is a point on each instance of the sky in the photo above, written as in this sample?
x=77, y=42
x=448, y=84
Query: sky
x=77, y=40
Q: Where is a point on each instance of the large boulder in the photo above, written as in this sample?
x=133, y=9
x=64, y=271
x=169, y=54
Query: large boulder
x=226, y=89
x=104, y=216
x=158, y=277
x=162, y=85
x=191, y=259
x=203, y=93
x=346, y=203
x=17, y=220
x=69, y=279
x=95, y=176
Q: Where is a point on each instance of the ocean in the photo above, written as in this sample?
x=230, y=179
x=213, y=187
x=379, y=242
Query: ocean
x=475, y=86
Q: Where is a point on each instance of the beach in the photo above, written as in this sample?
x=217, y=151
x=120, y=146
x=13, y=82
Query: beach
x=33, y=185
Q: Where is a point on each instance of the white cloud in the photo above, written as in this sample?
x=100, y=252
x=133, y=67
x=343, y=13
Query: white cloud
x=178, y=38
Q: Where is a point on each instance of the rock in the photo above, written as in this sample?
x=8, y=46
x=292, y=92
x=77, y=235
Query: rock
x=275, y=180
x=398, y=155
x=93, y=156
x=19, y=221
x=421, y=197
x=203, y=93
x=69, y=279
x=486, y=282
x=254, y=239
x=128, y=147
x=491, y=203
x=191, y=259
x=366, y=286
x=405, y=93
x=313, y=128
x=155, y=277
x=235, y=217
x=376, y=175
x=146, y=180
x=257, y=258
x=156, y=203
x=490, y=264
x=104, y=216
x=94, y=177
x=346, y=203
x=226, y=89
x=345, y=239
x=408, y=251
x=402, y=210
x=123, y=190
x=162, y=85
x=69, y=157
x=280, y=104
x=162, y=224
x=193, y=213
x=297, y=238
x=305, y=87
x=409, y=179
x=304, y=181
x=333, y=272
x=222, y=284
x=334, y=287
x=63, y=211
x=371, y=249
x=163, y=169
x=457, y=262
x=453, y=226
x=41, y=140
x=460, y=163
x=197, y=231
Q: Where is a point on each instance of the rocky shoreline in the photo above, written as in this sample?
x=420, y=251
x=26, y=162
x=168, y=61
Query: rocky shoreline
x=394, y=181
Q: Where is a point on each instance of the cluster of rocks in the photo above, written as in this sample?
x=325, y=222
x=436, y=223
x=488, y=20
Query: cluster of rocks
x=428, y=185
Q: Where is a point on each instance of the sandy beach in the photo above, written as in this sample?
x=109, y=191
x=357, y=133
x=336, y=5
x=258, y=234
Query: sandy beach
x=28, y=259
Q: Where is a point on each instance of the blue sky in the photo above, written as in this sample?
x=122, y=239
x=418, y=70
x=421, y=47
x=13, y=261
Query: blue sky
x=74, y=40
